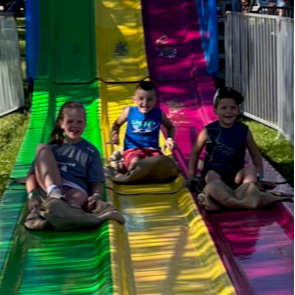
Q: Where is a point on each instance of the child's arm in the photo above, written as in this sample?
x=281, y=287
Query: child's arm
x=254, y=152
x=96, y=193
x=196, y=152
x=96, y=188
x=116, y=126
x=170, y=131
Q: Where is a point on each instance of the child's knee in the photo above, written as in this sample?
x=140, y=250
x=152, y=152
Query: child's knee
x=75, y=196
x=41, y=147
x=132, y=163
x=134, y=160
x=212, y=175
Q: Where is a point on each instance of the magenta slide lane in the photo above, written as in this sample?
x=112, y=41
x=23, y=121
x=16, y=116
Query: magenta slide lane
x=173, y=40
x=255, y=246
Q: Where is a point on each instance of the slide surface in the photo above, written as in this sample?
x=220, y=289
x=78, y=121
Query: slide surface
x=165, y=241
x=257, y=263
x=167, y=245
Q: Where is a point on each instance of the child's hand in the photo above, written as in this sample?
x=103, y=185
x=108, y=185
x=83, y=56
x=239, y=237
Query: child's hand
x=91, y=202
x=115, y=139
x=170, y=144
x=187, y=183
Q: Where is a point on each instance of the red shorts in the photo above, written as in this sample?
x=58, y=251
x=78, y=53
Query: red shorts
x=140, y=153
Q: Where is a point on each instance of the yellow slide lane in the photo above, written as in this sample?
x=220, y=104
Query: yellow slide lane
x=120, y=41
x=164, y=247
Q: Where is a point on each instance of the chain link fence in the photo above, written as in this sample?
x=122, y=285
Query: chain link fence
x=259, y=56
x=11, y=82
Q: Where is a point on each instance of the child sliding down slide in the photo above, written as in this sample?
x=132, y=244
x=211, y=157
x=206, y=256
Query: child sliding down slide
x=226, y=141
x=69, y=168
x=143, y=126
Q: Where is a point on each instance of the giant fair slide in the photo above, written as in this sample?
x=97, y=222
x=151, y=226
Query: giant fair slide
x=96, y=52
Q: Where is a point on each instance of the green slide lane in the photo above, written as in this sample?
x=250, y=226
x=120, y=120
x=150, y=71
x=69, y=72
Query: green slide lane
x=52, y=262
x=67, y=50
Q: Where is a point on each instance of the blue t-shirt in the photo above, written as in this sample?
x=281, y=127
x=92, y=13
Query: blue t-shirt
x=80, y=163
x=143, y=129
x=225, y=147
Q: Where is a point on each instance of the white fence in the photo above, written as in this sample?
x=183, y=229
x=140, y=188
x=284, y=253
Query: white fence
x=259, y=56
x=11, y=82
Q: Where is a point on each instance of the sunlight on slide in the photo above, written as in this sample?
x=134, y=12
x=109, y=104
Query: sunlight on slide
x=166, y=243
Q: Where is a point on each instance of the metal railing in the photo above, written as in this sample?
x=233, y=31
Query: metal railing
x=259, y=56
x=11, y=82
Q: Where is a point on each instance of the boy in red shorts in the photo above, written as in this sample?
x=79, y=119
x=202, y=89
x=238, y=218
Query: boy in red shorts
x=143, y=127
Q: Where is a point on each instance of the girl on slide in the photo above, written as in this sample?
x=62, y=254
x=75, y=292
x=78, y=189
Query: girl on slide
x=69, y=167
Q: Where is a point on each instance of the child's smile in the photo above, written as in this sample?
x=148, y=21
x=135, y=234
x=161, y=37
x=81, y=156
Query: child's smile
x=73, y=125
x=145, y=100
x=227, y=112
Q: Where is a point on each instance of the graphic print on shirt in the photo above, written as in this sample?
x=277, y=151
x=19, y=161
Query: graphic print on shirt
x=228, y=155
x=143, y=126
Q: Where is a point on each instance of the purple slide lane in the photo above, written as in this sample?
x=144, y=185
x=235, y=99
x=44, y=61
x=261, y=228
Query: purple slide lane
x=256, y=246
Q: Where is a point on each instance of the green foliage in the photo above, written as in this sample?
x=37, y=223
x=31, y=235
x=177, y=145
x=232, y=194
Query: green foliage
x=277, y=151
x=12, y=131
x=21, y=21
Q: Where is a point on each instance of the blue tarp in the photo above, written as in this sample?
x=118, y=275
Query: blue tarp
x=32, y=38
x=207, y=17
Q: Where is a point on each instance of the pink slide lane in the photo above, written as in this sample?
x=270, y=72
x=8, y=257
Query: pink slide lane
x=255, y=246
x=173, y=40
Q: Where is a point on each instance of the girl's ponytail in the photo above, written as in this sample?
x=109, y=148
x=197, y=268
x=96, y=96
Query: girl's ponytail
x=57, y=135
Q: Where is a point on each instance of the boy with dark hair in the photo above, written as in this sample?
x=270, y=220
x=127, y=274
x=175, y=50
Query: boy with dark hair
x=226, y=141
x=143, y=126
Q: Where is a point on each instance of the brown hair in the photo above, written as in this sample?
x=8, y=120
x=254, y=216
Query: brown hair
x=57, y=135
x=227, y=92
x=145, y=85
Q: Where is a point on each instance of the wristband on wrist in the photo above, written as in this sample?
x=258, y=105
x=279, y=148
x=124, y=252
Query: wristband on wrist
x=96, y=195
x=169, y=138
x=260, y=175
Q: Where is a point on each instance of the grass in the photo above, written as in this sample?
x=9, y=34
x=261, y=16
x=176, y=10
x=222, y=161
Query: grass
x=12, y=131
x=277, y=151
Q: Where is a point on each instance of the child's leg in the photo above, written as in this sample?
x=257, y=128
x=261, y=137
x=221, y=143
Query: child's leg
x=211, y=176
x=247, y=174
x=76, y=197
x=155, y=153
x=47, y=172
x=131, y=157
